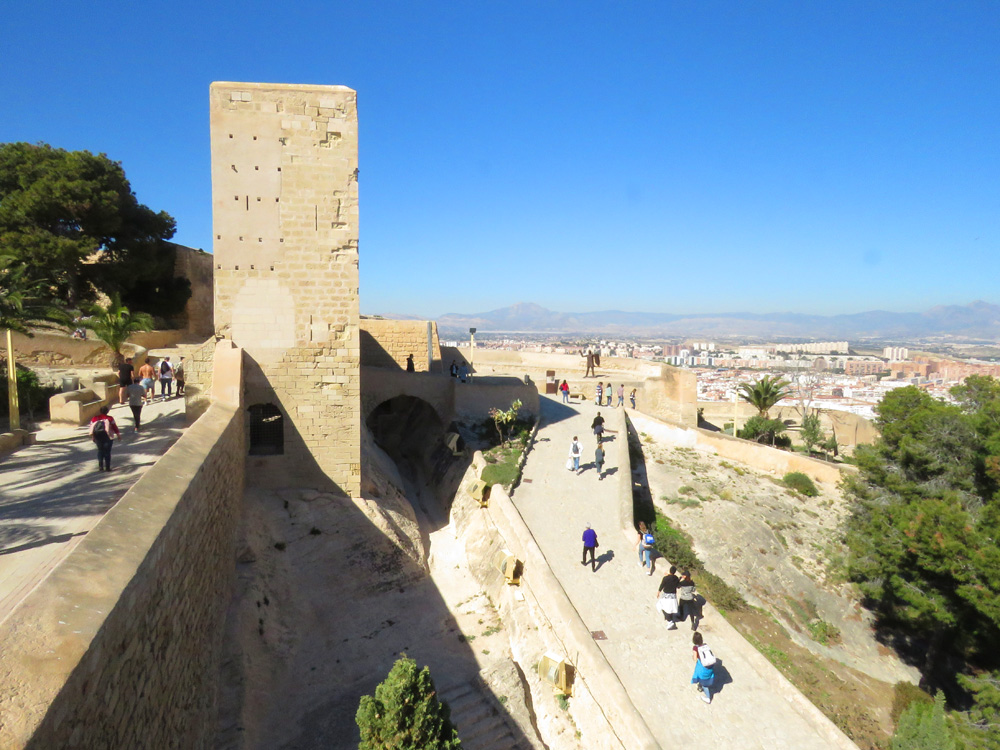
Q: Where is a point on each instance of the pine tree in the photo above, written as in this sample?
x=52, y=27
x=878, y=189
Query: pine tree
x=405, y=713
x=924, y=727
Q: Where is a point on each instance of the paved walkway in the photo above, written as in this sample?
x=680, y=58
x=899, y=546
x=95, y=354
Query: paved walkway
x=51, y=493
x=654, y=664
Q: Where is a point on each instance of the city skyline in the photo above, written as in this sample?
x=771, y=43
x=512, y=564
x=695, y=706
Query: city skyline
x=669, y=158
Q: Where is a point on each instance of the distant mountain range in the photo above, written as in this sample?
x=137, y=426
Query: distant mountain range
x=978, y=321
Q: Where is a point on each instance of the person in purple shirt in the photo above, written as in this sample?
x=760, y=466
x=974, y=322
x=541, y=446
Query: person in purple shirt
x=589, y=545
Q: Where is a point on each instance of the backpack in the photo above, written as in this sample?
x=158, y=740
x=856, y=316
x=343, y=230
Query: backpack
x=705, y=656
x=164, y=367
x=647, y=540
x=100, y=429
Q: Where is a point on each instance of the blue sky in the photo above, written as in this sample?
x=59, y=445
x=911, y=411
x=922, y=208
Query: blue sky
x=657, y=156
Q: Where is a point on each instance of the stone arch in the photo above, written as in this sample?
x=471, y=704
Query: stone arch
x=267, y=430
x=398, y=424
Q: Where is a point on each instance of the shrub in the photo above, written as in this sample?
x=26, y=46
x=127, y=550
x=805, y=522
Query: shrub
x=762, y=430
x=904, y=694
x=33, y=398
x=924, y=727
x=801, y=483
x=405, y=713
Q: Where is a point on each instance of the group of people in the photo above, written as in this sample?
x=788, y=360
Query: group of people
x=675, y=599
x=138, y=389
x=576, y=449
x=601, y=393
x=460, y=371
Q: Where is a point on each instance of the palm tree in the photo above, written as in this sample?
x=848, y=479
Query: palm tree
x=764, y=393
x=113, y=323
x=22, y=305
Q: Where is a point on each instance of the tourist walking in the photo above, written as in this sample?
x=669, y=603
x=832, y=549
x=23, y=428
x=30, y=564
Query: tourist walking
x=166, y=379
x=666, y=597
x=599, y=460
x=589, y=545
x=179, y=377
x=453, y=370
x=645, y=544
x=687, y=601
x=103, y=431
x=621, y=395
x=564, y=389
x=575, y=450
x=126, y=374
x=409, y=363
x=148, y=374
x=631, y=397
x=704, y=667
x=463, y=373
x=607, y=392
x=598, y=427
x=599, y=394
x=136, y=395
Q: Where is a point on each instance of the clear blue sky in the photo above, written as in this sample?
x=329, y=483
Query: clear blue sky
x=816, y=157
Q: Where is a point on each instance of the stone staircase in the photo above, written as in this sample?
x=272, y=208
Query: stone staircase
x=481, y=725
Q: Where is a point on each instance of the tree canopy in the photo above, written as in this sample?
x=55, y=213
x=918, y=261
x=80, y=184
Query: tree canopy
x=924, y=529
x=73, y=219
x=764, y=393
x=405, y=713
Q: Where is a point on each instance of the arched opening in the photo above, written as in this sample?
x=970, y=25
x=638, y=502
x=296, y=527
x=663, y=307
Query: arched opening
x=267, y=430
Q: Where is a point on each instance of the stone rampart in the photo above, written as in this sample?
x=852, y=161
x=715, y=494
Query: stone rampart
x=118, y=647
x=196, y=266
x=543, y=618
x=387, y=343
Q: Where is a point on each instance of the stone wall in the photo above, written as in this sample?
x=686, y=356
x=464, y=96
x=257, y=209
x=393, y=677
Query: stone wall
x=387, y=343
x=118, y=647
x=285, y=218
x=850, y=429
x=196, y=266
x=671, y=396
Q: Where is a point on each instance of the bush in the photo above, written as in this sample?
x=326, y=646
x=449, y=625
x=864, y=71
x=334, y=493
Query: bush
x=33, y=398
x=904, y=694
x=405, y=713
x=924, y=727
x=762, y=430
x=801, y=483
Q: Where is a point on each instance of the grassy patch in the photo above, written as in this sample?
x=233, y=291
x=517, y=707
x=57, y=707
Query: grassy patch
x=687, y=489
x=824, y=633
x=503, y=460
x=684, y=502
x=801, y=483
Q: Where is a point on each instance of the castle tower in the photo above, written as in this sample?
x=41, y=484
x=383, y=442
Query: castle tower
x=285, y=225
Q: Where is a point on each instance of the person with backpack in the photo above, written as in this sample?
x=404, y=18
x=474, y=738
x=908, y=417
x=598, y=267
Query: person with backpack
x=103, y=431
x=704, y=667
x=645, y=544
x=575, y=451
x=166, y=379
x=685, y=595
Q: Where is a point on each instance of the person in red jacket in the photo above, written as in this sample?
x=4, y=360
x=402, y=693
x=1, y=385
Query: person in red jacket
x=103, y=431
x=564, y=389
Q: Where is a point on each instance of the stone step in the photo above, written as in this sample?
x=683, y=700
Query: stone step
x=481, y=725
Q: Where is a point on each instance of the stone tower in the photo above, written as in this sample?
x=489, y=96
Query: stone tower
x=285, y=220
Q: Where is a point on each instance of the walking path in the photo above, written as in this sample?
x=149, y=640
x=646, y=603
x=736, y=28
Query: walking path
x=754, y=708
x=51, y=493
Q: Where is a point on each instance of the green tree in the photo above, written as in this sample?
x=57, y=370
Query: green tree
x=22, y=305
x=113, y=323
x=924, y=727
x=925, y=520
x=72, y=217
x=764, y=393
x=405, y=713
x=762, y=429
x=502, y=418
x=811, y=433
